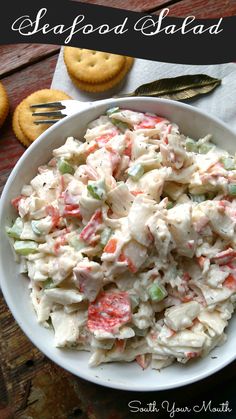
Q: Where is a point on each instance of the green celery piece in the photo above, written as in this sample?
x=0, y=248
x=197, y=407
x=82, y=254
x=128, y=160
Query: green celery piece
x=76, y=242
x=170, y=205
x=25, y=247
x=139, y=332
x=16, y=230
x=136, y=171
x=228, y=162
x=97, y=189
x=120, y=124
x=198, y=198
x=134, y=301
x=48, y=284
x=65, y=167
x=105, y=235
x=211, y=195
x=35, y=228
x=157, y=292
x=112, y=110
x=232, y=189
x=205, y=148
x=191, y=145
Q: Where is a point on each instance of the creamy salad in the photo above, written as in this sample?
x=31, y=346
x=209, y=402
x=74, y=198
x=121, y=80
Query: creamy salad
x=128, y=239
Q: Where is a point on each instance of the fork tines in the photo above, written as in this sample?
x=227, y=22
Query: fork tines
x=52, y=114
x=48, y=105
x=46, y=121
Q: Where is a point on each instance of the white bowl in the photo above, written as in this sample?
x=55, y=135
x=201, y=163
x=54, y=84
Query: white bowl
x=123, y=376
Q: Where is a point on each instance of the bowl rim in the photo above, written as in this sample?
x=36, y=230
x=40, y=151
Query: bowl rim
x=7, y=294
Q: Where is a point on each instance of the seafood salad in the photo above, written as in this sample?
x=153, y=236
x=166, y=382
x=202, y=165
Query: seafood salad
x=127, y=237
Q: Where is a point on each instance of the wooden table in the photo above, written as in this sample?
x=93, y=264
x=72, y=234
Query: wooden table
x=30, y=385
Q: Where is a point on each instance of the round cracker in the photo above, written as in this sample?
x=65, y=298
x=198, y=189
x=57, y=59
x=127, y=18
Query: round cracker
x=26, y=120
x=4, y=104
x=16, y=127
x=92, y=66
x=100, y=87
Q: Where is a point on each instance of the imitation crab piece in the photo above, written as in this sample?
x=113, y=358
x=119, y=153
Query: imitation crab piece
x=109, y=311
x=89, y=231
x=103, y=139
x=60, y=241
x=150, y=121
x=54, y=214
x=15, y=202
x=88, y=278
x=143, y=360
x=72, y=210
x=110, y=246
x=230, y=282
x=224, y=257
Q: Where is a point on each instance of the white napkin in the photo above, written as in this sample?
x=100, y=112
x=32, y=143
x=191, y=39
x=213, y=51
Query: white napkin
x=221, y=102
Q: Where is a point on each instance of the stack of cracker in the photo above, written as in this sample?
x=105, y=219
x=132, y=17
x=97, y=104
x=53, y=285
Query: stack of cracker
x=23, y=122
x=95, y=71
x=4, y=104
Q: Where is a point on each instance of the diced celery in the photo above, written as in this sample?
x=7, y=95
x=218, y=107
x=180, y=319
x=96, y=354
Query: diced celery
x=139, y=332
x=232, y=189
x=112, y=110
x=25, y=247
x=157, y=292
x=191, y=145
x=169, y=205
x=122, y=126
x=136, y=171
x=198, y=198
x=76, y=242
x=179, y=272
x=65, y=167
x=211, y=195
x=105, y=235
x=134, y=299
x=159, y=157
x=48, y=284
x=97, y=189
x=16, y=230
x=205, y=148
x=228, y=162
x=34, y=227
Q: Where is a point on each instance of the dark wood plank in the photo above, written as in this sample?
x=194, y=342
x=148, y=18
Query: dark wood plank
x=19, y=85
x=32, y=384
x=204, y=9
x=16, y=56
x=135, y=5
x=181, y=8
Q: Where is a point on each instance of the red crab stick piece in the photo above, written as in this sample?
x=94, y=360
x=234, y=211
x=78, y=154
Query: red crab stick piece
x=60, y=241
x=54, y=213
x=120, y=345
x=110, y=246
x=230, y=282
x=123, y=258
x=103, y=139
x=15, y=202
x=201, y=261
x=72, y=210
x=89, y=231
x=150, y=121
x=224, y=257
x=143, y=360
x=109, y=311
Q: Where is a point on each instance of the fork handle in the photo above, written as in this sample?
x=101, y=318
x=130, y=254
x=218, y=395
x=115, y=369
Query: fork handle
x=73, y=105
